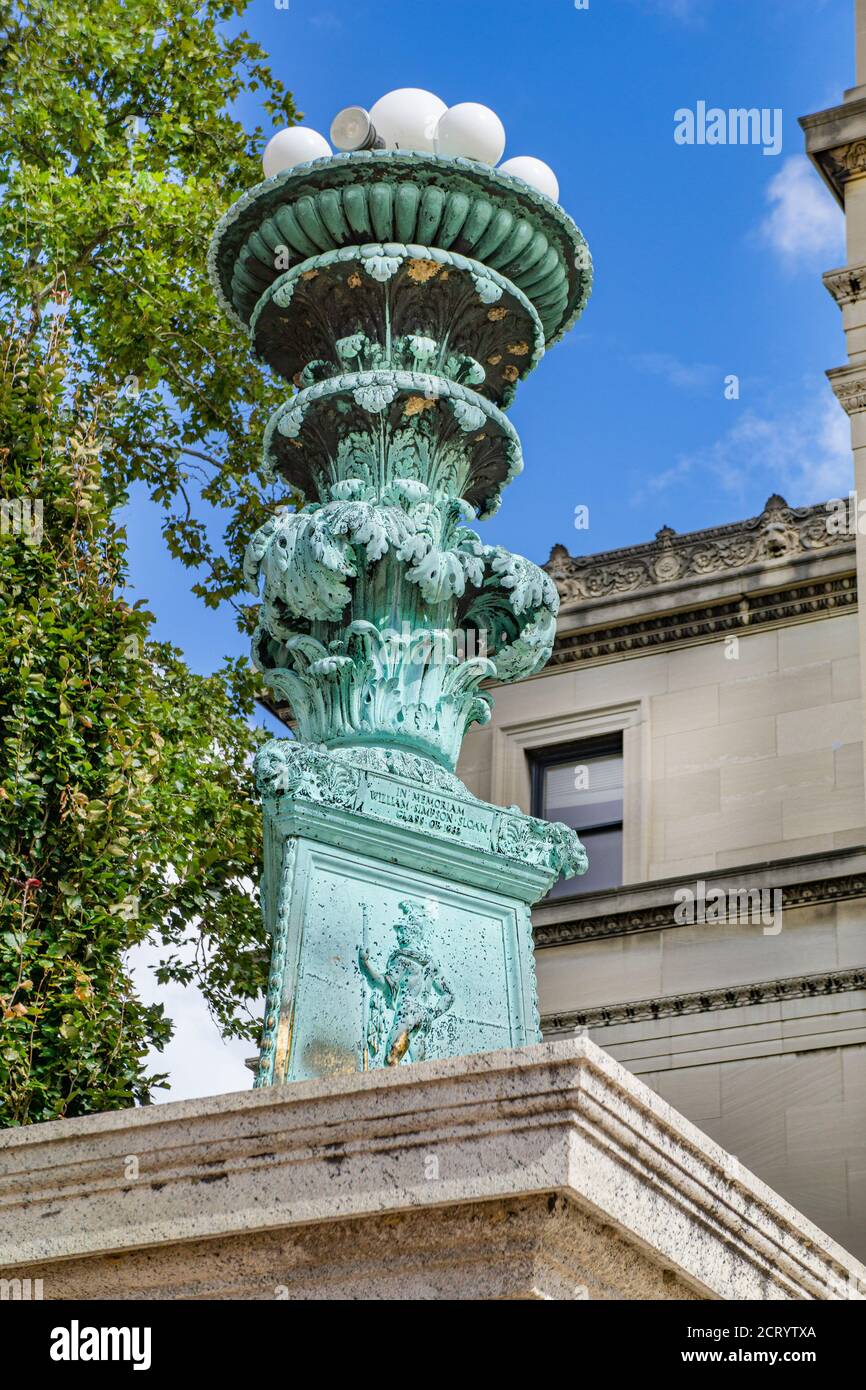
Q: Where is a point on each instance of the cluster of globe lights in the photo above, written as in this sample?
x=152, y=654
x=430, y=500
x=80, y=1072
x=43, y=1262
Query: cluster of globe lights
x=411, y=119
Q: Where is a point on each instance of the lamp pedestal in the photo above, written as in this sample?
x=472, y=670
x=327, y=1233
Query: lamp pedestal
x=405, y=296
x=398, y=905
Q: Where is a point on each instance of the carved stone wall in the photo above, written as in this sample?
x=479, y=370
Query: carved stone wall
x=780, y=532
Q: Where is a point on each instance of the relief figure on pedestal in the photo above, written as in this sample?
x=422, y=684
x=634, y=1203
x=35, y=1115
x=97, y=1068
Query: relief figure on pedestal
x=411, y=988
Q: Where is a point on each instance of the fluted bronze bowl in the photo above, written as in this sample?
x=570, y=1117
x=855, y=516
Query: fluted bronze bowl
x=412, y=199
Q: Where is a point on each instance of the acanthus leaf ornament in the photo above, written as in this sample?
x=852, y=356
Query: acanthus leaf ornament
x=405, y=296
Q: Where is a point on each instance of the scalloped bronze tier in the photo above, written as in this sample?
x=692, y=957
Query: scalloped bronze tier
x=378, y=428
x=381, y=196
x=413, y=308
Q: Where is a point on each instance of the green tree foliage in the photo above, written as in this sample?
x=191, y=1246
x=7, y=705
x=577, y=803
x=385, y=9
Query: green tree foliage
x=120, y=153
x=125, y=809
x=125, y=799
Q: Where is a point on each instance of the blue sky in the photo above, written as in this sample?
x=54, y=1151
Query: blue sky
x=708, y=263
x=708, y=259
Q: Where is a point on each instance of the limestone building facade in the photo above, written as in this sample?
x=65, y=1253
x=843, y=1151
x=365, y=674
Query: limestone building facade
x=701, y=724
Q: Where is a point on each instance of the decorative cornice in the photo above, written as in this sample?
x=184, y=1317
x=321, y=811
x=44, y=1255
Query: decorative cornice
x=707, y=1001
x=724, y=617
x=780, y=532
x=802, y=892
x=847, y=284
x=833, y=117
x=849, y=387
x=844, y=162
x=836, y=143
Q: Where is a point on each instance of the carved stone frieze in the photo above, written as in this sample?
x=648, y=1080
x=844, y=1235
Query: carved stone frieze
x=660, y=916
x=719, y=619
x=707, y=1001
x=844, y=162
x=780, y=532
x=836, y=143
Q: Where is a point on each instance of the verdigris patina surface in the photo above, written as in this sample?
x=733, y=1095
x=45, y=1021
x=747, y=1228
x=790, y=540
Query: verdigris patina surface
x=404, y=295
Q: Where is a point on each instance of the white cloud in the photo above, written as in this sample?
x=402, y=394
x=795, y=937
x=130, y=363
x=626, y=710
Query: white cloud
x=805, y=454
x=689, y=376
x=328, y=21
x=804, y=223
x=696, y=11
x=198, y=1060
x=687, y=11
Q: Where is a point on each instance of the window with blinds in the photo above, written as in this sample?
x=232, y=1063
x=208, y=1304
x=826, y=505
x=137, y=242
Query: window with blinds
x=582, y=784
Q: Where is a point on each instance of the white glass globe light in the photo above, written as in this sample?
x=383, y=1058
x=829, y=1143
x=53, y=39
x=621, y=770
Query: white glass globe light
x=471, y=130
x=297, y=144
x=534, y=172
x=407, y=118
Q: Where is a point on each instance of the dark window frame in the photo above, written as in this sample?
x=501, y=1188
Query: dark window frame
x=554, y=755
